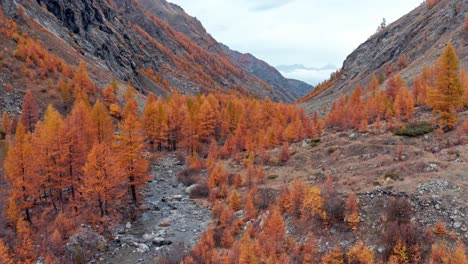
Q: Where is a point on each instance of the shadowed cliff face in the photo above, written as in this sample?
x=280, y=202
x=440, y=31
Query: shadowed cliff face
x=129, y=37
x=419, y=35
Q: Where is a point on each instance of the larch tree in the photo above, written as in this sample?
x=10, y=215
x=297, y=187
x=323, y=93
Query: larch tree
x=24, y=249
x=154, y=121
x=132, y=153
x=20, y=172
x=79, y=137
x=54, y=150
x=448, y=93
x=360, y=253
x=102, y=125
x=335, y=256
x=29, y=112
x=109, y=93
x=83, y=84
x=6, y=123
x=102, y=179
x=404, y=104
x=5, y=255
x=207, y=121
x=373, y=85
x=275, y=227
x=352, y=211
x=309, y=251
x=394, y=84
x=312, y=206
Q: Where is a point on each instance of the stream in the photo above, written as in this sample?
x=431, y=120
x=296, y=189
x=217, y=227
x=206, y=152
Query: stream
x=170, y=225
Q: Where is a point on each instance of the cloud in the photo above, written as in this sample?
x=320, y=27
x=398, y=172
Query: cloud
x=287, y=32
x=310, y=76
x=263, y=5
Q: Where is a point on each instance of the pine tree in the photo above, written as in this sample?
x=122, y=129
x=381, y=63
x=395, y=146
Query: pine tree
x=29, y=112
x=447, y=96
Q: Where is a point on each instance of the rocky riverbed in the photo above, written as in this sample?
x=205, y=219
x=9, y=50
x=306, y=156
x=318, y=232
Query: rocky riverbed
x=170, y=225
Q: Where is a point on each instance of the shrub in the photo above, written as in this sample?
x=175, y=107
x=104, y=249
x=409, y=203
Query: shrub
x=415, y=129
x=273, y=176
x=188, y=176
x=201, y=190
x=331, y=150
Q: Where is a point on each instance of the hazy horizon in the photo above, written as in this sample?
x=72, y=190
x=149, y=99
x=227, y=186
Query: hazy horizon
x=286, y=32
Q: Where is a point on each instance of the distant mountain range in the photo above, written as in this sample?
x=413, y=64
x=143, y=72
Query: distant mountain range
x=311, y=75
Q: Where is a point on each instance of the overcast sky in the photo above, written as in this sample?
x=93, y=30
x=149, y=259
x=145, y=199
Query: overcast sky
x=313, y=33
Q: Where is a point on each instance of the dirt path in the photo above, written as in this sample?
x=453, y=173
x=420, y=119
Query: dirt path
x=170, y=225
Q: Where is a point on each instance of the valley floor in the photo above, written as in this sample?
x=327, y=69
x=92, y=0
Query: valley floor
x=170, y=224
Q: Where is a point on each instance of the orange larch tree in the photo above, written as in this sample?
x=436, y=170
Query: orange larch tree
x=102, y=125
x=5, y=255
x=394, y=84
x=404, y=104
x=29, y=111
x=360, y=253
x=83, y=84
x=352, y=211
x=132, y=152
x=54, y=147
x=6, y=123
x=448, y=94
x=154, y=121
x=207, y=121
x=79, y=136
x=20, y=173
x=103, y=179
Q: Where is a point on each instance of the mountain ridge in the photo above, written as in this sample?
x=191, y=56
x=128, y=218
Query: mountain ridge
x=419, y=36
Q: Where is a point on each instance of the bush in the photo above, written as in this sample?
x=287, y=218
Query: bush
x=415, y=129
x=273, y=176
x=331, y=150
x=201, y=190
x=188, y=176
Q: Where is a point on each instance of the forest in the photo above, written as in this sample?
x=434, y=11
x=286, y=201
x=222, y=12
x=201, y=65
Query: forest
x=86, y=160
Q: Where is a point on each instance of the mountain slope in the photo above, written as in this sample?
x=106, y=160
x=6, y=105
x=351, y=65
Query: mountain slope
x=176, y=17
x=268, y=73
x=420, y=36
x=126, y=41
